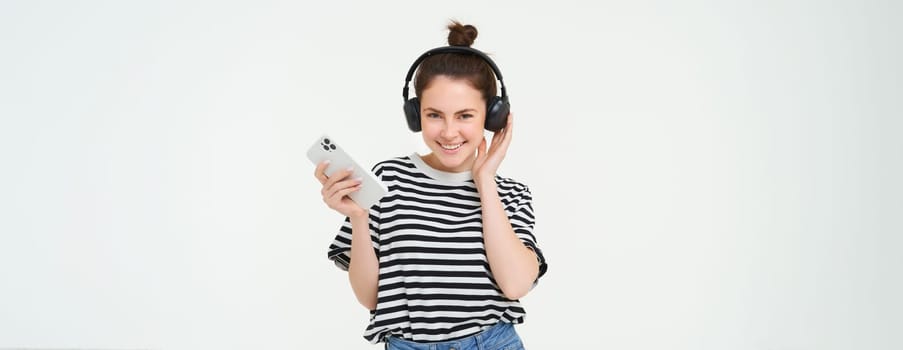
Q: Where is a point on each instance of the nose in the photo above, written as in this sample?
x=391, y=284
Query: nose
x=449, y=129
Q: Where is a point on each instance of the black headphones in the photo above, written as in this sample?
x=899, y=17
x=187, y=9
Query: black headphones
x=496, y=108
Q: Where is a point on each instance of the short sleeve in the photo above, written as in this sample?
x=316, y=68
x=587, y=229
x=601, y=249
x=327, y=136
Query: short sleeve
x=339, y=250
x=522, y=221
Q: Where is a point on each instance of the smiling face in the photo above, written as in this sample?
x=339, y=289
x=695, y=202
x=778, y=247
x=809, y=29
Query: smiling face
x=452, y=113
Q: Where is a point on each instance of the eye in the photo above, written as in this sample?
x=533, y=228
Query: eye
x=432, y=115
x=466, y=116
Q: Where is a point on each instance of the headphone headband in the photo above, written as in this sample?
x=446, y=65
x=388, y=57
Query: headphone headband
x=453, y=49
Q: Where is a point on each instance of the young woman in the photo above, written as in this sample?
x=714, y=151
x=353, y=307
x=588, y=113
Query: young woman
x=442, y=260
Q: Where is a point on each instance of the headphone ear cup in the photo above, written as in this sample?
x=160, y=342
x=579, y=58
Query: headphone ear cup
x=412, y=113
x=497, y=113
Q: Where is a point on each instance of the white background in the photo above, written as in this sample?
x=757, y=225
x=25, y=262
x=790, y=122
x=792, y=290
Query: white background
x=706, y=175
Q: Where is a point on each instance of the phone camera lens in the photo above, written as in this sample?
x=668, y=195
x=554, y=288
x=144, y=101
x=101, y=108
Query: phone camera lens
x=326, y=147
x=332, y=146
x=326, y=141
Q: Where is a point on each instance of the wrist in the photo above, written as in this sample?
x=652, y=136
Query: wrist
x=363, y=215
x=486, y=186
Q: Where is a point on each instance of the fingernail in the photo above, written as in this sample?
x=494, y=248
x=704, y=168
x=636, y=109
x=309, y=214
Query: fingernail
x=326, y=161
x=358, y=179
x=350, y=169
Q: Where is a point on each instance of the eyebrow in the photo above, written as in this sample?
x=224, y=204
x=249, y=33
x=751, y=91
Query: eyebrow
x=458, y=112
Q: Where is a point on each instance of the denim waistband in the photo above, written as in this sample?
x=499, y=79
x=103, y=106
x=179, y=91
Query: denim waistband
x=499, y=334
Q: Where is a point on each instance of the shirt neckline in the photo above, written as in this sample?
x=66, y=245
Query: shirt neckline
x=437, y=174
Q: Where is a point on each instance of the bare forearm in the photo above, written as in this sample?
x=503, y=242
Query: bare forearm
x=513, y=265
x=363, y=272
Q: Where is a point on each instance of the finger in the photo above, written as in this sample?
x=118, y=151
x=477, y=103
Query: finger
x=509, y=130
x=496, y=141
x=481, y=150
x=341, y=185
x=331, y=181
x=498, y=135
x=504, y=133
x=510, y=124
x=338, y=176
x=341, y=194
x=320, y=171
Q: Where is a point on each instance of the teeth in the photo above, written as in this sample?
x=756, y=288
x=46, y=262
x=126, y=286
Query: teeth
x=451, y=147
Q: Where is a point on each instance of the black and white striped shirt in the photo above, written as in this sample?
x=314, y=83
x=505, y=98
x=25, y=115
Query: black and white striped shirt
x=434, y=279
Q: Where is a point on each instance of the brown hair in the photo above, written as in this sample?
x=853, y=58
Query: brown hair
x=471, y=68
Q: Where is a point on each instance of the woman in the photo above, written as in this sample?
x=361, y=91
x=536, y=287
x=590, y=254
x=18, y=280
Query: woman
x=443, y=258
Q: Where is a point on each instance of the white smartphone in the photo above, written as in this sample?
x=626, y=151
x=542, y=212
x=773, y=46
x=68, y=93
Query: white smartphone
x=326, y=148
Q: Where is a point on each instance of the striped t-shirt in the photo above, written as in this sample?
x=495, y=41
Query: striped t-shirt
x=434, y=278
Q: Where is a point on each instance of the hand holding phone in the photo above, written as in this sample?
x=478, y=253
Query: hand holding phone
x=326, y=148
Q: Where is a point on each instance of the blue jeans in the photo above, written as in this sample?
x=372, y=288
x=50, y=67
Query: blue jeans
x=501, y=336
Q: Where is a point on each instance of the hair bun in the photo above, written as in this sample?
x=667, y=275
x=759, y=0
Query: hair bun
x=461, y=34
